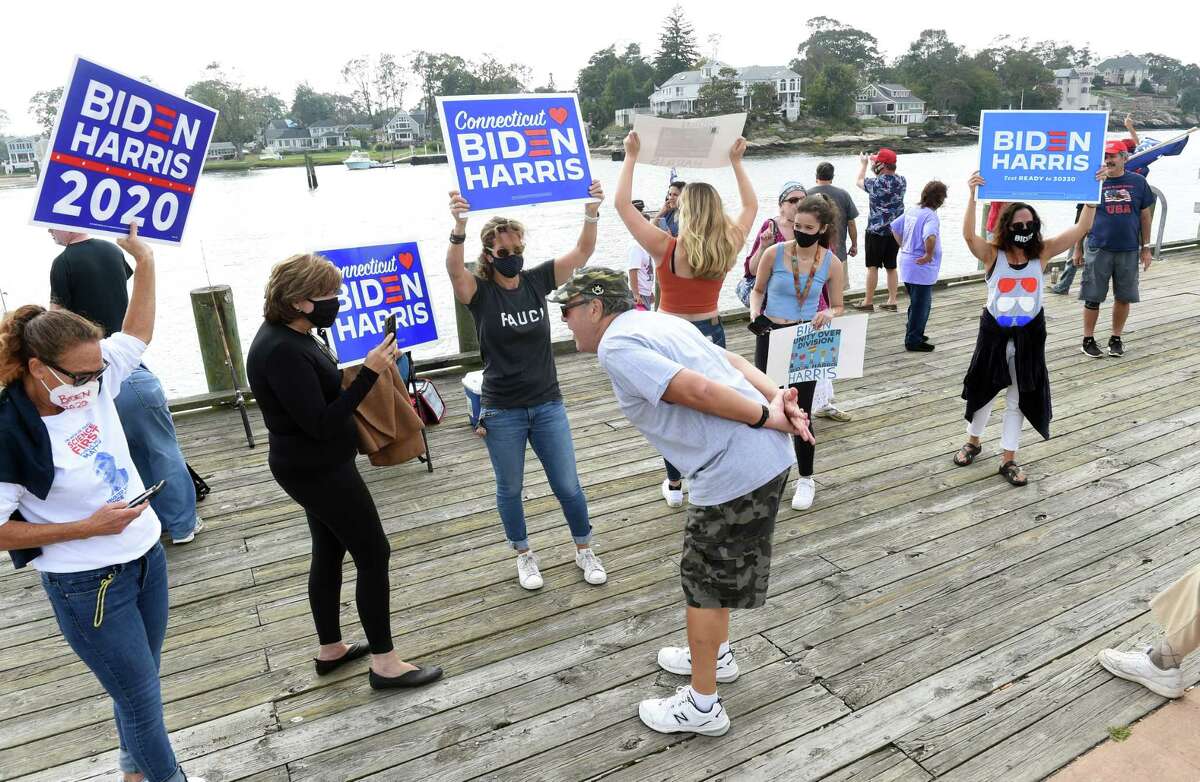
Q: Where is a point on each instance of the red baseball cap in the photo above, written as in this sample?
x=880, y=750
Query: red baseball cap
x=1115, y=148
x=885, y=156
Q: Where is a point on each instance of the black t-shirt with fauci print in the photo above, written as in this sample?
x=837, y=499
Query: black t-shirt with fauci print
x=514, y=340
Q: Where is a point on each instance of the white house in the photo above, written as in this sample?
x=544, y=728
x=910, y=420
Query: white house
x=221, y=150
x=1075, y=88
x=284, y=135
x=24, y=153
x=624, y=117
x=678, y=94
x=401, y=129
x=1127, y=70
x=328, y=134
x=891, y=103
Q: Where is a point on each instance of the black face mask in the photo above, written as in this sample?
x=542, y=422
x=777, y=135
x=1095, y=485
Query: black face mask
x=1023, y=238
x=325, y=312
x=806, y=240
x=510, y=265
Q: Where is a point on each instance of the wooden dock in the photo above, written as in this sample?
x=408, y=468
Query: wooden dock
x=925, y=621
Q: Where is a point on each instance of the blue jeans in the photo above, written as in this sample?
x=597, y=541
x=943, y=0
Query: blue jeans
x=1065, y=279
x=142, y=407
x=545, y=427
x=115, y=619
x=715, y=332
x=920, y=299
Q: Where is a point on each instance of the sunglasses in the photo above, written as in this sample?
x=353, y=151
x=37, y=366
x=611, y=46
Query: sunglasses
x=504, y=252
x=566, y=307
x=1030, y=226
x=79, y=378
x=1008, y=284
x=792, y=201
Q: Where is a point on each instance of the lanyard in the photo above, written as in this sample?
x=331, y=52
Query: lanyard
x=801, y=295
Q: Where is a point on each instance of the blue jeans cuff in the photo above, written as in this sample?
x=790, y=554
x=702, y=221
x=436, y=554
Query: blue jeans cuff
x=519, y=544
x=586, y=540
x=125, y=762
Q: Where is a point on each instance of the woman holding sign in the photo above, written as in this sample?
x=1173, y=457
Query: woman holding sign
x=1010, y=351
x=313, y=442
x=791, y=275
x=691, y=268
x=520, y=401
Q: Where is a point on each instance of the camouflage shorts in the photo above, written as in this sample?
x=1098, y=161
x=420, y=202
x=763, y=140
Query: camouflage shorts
x=727, y=549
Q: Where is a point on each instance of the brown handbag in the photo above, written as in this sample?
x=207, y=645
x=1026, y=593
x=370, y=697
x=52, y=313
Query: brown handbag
x=389, y=430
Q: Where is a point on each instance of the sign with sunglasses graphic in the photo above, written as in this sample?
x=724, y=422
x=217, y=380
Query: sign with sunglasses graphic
x=377, y=282
x=516, y=150
x=1041, y=155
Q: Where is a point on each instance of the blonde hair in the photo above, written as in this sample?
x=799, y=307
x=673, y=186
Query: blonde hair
x=484, y=269
x=33, y=332
x=709, y=237
x=299, y=277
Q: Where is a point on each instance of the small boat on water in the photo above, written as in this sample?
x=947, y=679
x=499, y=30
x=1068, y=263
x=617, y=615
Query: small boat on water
x=358, y=160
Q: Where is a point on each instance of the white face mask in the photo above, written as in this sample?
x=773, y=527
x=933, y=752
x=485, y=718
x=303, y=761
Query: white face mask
x=70, y=397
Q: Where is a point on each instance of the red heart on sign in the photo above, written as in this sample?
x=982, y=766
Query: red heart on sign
x=406, y=260
x=559, y=115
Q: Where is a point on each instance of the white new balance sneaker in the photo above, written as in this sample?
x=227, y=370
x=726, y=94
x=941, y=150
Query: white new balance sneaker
x=674, y=497
x=527, y=571
x=679, y=714
x=190, y=537
x=806, y=490
x=1136, y=667
x=589, y=563
x=678, y=659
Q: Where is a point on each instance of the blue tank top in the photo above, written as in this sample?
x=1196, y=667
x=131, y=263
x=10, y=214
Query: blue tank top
x=783, y=289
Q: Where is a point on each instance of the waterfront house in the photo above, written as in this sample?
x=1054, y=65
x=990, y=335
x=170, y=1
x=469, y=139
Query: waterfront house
x=678, y=94
x=1075, y=88
x=285, y=135
x=221, y=150
x=1127, y=70
x=889, y=102
x=402, y=128
x=329, y=134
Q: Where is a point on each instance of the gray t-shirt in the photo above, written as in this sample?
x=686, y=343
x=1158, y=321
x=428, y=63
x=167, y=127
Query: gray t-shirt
x=723, y=459
x=847, y=211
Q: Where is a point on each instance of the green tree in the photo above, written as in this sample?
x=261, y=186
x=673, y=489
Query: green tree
x=719, y=95
x=309, y=106
x=829, y=41
x=360, y=76
x=831, y=93
x=496, y=78
x=1026, y=81
x=244, y=111
x=43, y=106
x=677, y=49
x=610, y=81
x=1146, y=87
x=764, y=104
x=390, y=83
x=1189, y=101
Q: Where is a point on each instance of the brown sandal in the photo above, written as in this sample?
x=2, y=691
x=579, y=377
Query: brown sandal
x=968, y=453
x=1013, y=473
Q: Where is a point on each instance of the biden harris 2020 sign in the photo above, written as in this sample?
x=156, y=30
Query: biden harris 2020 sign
x=122, y=151
x=515, y=150
x=1041, y=155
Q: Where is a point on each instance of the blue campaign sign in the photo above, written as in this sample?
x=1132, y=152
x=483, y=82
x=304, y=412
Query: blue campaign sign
x=122, y=151
x=515, y=150
x=1041, y=155
x=376, y=282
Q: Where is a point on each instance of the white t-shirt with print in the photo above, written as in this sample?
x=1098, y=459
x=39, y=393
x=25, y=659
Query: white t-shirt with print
x=92, y=467
x=640, y=259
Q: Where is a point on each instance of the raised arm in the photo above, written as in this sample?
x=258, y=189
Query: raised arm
x=565, y=265
x=139, y=317
x=984, y=252
x=1072, y=237
x=461, y=278
x=1132, y=133
x=861, y=180
x=745, y=220
x=653, y=239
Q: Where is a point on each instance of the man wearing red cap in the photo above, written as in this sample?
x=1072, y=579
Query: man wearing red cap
x=1118, y=243
x=886, y=192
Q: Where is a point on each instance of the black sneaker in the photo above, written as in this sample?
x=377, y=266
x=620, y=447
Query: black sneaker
x=1115, y=347
x=1091, y=348
x=920, y=347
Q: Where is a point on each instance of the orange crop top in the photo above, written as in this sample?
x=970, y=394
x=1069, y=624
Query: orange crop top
x=685, y=295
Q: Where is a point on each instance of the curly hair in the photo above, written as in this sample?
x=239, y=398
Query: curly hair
x=496, y=225
x=1000, y=237
x=299, y=277
x=35, y=332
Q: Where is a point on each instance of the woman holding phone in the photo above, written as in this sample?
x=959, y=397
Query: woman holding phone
x=313, y=443
x=66, y=479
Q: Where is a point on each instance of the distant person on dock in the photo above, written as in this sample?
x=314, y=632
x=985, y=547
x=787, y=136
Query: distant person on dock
x=88, y=278
x=727, y=426
x=919, y=234
x=313, y=444
x=1118, y=243
x=692, y=268
x=847, y=230
x=641, y=268
x=668, y=216
x=66, y=481
x=521, y=402
x=1010, y=350
x=886, y=191
x=773, y=230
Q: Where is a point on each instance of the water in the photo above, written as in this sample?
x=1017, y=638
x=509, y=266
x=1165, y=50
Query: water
x=244, y=222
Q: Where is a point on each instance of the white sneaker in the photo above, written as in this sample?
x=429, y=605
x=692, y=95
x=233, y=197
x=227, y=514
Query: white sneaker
x=806, y=490
x=674, y=497
x=677, y=659
x=1136, y=667
x=199, y=526
x=679, y=714
x=589, y=563
x=834, y=414
x=527, y=571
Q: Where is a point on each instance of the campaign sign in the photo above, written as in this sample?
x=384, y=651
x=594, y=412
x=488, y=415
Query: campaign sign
x=376, y=282
x=797, y=354
x=122, y=151
x=1041, y=155
x=514, y=150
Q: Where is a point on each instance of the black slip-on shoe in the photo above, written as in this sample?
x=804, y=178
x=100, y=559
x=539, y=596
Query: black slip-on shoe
x=356, y=650
x=417, y=678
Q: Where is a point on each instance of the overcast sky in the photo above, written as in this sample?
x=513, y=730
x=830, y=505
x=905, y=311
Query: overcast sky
x=309, y=41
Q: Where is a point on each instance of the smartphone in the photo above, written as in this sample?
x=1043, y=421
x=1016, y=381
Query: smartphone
x=760, y=326
x=145, y=496
x=389, y=326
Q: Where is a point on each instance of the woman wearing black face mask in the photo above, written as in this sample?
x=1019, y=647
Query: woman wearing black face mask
x=791, y=275
x=313, y=442
x=521, y=402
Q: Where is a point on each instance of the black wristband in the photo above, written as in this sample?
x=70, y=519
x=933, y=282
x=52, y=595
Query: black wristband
x=457, y=238
x=766, y=413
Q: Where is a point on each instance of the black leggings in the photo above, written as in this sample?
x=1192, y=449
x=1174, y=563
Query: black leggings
x=341, y=518
x=805, y=452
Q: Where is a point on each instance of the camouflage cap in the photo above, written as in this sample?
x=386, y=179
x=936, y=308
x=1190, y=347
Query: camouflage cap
x=594, y=282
